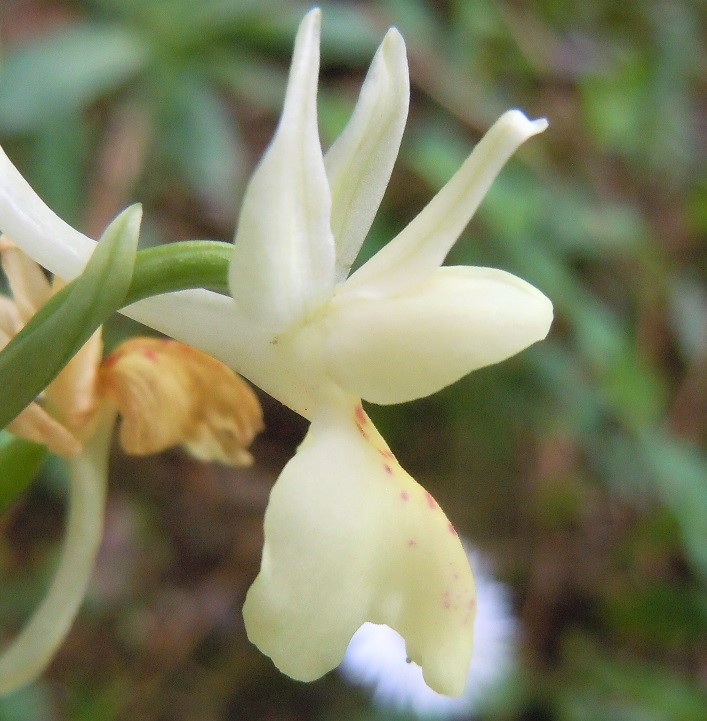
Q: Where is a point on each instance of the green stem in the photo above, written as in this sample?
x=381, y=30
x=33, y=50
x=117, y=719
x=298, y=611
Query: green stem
x=179, y=266
x=34, y=647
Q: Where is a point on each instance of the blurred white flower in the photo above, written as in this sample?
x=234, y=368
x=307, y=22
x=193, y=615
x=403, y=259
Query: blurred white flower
x=376, y=658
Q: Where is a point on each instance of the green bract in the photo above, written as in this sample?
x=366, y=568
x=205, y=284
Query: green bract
x=33, y=358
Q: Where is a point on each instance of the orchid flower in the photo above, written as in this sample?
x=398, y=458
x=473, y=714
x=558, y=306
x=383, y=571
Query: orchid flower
x=349, y=535
x=165, y=393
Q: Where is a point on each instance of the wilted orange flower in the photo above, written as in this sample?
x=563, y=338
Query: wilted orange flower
x=165, y=392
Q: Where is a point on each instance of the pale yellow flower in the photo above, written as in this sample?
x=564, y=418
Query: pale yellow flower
x=349, y=535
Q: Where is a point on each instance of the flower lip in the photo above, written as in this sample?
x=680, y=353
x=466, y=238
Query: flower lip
x=377, y=547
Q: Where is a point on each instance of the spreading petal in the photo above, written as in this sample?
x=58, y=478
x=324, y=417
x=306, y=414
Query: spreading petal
x=169, y=394
x=43, y=236
x=38, y=641
x=425, y=242
x=351, y=537
x=283, y=260
x=361, y=160
x=461, y=318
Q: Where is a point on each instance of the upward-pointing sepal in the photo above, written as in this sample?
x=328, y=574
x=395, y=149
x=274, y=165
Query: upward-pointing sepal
x=423, y=245
x=283, y=261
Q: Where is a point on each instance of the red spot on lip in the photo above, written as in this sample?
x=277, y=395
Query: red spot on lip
x=111, y=360
x=360, y=415
x=150, y=354
x=430, y=501
x=404, y=495
x=452, y=530
x=388, y=469
x=412, y=543
x=362, y=432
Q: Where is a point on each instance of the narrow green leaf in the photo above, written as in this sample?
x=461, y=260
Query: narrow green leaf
x=56, y=333
x=20, y=462
x=679, y=473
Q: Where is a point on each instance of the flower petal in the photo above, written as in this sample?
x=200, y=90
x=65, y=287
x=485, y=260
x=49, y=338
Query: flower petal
x=425, y=242
x=29, y=287
x=351, y=537
x=31, y=651
x=361, y=160
x=283, y=259
x=461, y=318
x=170, y=394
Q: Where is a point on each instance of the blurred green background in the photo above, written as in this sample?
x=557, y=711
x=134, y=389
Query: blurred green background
x=576, y=466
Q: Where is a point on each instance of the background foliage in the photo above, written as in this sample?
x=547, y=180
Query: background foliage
x=576, y=466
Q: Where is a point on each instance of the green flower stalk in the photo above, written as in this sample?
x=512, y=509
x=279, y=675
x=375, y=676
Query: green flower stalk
x=31, y=651
x=165, y=394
